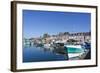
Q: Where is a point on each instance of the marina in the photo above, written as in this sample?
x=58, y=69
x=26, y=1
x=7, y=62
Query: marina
x=49, y=53
x=52, y=36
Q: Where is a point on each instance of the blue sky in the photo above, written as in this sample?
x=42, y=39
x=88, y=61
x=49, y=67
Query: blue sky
x=36, y=23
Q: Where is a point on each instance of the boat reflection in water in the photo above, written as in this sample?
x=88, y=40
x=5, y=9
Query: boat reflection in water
x=59, y=48
x=54, y=52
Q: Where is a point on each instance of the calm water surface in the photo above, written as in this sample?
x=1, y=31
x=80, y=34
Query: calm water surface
x=36, y=54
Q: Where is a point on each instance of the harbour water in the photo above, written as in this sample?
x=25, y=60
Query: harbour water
x=34, y=54
x=37, y=54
